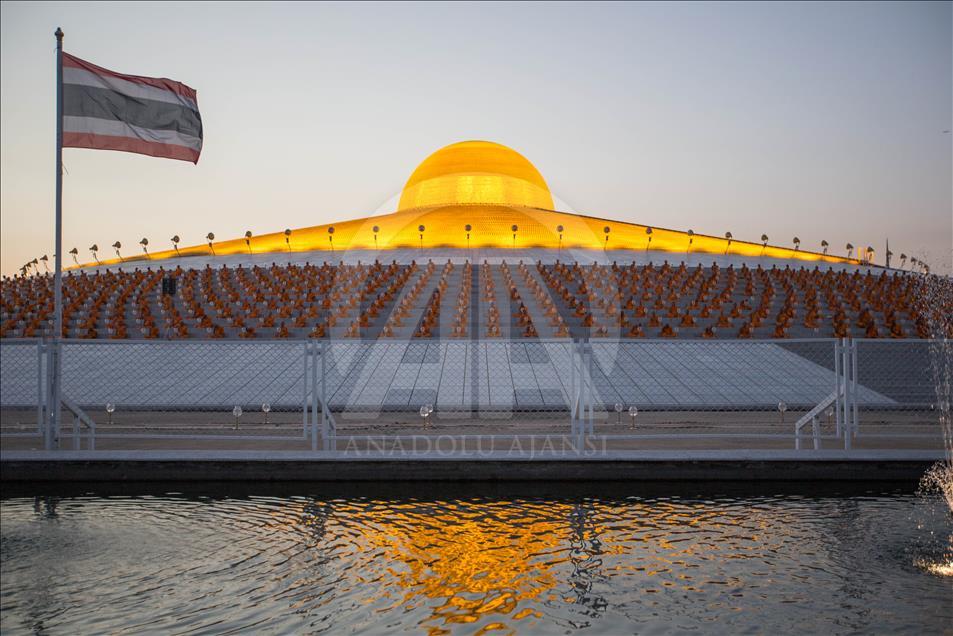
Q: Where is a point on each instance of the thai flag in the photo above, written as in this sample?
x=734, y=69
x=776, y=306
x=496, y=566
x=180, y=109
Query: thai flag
x=106, y=110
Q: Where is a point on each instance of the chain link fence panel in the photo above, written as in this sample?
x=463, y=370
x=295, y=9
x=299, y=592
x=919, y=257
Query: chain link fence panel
x=635, y=393
x=899, y=374
x=189, y=388
x=22, y=381
x=466, y=388
x=708, y=388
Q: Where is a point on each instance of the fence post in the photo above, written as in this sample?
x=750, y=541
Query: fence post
x=855, y=427
x=325, y=429
x=590, y=398
x=581, y=408
x=49, y=429
x=40, y=388
x=583, y=419
x=56, y=359
x=304, y=391
x=578, y=396
x=846, y=366
x=838, y=387
x=572, y=389
x=317, y=348
x=313, y=392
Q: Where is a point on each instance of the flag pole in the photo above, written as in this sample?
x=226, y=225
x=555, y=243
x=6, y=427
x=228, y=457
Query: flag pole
x=56, y=393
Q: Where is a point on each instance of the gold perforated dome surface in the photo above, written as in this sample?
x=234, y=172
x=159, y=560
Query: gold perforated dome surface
x=476, y=173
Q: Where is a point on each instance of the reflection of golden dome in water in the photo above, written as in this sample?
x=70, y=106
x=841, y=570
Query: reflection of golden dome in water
x=476, y=172
x=481, y=558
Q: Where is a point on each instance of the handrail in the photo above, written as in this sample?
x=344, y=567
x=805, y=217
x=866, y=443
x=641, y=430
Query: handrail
x=811, y=416
x=80, y=416
x=79, y=412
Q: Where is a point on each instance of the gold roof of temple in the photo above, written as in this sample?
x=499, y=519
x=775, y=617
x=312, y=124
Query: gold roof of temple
x=476, y=173
x=491, y=190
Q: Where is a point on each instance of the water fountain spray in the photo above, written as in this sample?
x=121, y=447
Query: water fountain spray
x=934, y=299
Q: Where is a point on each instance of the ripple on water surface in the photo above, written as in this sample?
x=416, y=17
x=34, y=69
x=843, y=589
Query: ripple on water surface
x=433, y=564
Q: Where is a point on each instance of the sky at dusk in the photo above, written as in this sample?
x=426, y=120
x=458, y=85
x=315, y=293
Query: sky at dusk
x=824, y=121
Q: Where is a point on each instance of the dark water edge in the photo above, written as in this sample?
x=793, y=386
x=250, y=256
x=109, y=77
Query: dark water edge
x=472, y=558
x=461, y=489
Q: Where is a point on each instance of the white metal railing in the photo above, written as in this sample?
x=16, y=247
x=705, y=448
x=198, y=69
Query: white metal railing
x=81, y=418
x=159, y=378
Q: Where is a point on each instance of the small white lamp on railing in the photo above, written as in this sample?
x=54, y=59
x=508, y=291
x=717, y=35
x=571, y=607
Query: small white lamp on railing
x=375, y=230
x=110, y=409
x=421, y=228
x=633, y=413
x=782, y=408
x=331, y=236
x=764, y=243
x=266, y=409
x=606, y=231
x=425, y=411
x=211, y=237
x=618, y=413
x=237, y=413
x=288, y=239
x=175, y=244
x=248, y=240
x=514, y=228
x=729, y=237
x=559, y=229
x=691, y=237
x=145, y=246
x=648, y=243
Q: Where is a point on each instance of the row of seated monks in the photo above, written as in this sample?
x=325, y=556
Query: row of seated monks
x=430, y=320
x=489, y=297
x=671, y=298
x=128, y=304
x=462, y=310
x=569, y=298
x=406, y=303
x=524, y=322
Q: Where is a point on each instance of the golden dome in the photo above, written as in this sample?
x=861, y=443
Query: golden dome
x=476, y=173
x=479, y=194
